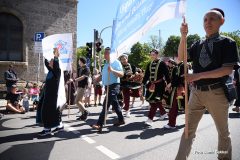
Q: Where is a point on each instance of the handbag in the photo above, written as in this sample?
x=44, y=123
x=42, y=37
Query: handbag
x=151, y=87
x=230, y=90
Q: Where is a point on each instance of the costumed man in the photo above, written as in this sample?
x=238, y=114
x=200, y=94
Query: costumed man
x=137, y=89
x=155, y=75
x=126, y=82
x=167, y=95
x=177, y=86
x=53, y=97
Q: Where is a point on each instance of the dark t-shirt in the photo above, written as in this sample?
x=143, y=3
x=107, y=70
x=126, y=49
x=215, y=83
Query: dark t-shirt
x=83, y=71
x=10, y=77
x=13, y=98
x=223, y=52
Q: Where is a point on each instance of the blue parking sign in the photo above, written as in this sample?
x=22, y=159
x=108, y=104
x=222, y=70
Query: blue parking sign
x=38, y=36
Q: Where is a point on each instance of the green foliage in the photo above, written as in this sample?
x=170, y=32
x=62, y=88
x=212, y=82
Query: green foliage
x=192, y=38
x=81, y=52
x=171, y=47
x=155, y=42
x=139, y=55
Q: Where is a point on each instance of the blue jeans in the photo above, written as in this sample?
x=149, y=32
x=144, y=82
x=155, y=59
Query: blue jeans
x=114, y=90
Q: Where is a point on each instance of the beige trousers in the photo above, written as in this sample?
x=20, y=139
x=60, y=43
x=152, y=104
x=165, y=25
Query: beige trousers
x=217, y=105
x=79, y=99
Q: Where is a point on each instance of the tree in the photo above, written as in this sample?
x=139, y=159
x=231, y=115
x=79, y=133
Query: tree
x=171, y=47
x=139, y=56
x=81, y=52
x=192, y=38
x=155, y=42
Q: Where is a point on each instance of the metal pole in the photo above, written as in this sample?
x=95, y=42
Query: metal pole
x=94, y=49
x=38, y=70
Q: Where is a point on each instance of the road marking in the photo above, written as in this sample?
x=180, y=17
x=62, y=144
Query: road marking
x=87, y=139
x=71, y=129
x=107, y=152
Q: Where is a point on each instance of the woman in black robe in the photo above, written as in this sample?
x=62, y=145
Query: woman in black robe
x=51, y=115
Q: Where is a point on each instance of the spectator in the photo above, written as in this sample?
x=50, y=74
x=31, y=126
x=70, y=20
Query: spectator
x=13, y=99
x=97, y=85
x=10, y=77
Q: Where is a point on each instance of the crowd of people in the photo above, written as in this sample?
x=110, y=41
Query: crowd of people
x=162, y=82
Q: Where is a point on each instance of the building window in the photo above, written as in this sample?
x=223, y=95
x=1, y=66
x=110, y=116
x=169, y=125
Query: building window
x=11, y=38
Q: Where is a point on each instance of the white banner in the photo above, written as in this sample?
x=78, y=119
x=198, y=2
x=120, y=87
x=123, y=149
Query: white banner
x=135, y=17
x=64, y=44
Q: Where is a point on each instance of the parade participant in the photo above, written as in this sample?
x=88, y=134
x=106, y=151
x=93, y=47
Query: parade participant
x=13, y=99
x=212, y=59
x=51, y=115
x=83, y=74
x=155, y=75
x=137, y=89
x=126, y=82
x=236, y=82
x=10, y=77
x=111, y=75
x=177, y=88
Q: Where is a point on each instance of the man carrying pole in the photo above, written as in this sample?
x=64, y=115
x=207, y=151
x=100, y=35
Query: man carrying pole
x=213, y=59
x=111, y=74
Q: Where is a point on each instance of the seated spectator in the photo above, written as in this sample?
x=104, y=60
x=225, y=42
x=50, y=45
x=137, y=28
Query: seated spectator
x=13, y=99
x=34, y=92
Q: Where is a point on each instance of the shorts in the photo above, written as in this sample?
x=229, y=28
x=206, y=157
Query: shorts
x=97, y=90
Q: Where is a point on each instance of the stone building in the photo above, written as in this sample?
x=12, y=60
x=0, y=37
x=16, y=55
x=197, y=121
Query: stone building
x=20, y=20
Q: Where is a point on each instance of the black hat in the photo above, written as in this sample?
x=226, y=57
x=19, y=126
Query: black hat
x=219, y=10
x=83, y=60
x=154, y=50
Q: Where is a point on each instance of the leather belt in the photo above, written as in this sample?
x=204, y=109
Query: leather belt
x=208, y=87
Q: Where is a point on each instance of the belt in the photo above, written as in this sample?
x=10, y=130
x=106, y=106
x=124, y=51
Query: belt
x=208, y=87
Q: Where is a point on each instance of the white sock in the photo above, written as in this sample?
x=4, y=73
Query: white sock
x=60, y=125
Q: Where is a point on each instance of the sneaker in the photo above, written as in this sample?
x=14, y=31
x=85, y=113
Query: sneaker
x=128, y=114
x=84, y=116
x=168, y=127
x=162, y=117
x=95, y=105
x=149, y=122
x=100, y=104
x=119, y=123
x=58, y=129
x=44, y=132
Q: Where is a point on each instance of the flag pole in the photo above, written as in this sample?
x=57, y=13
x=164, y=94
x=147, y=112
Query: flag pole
x=106, y=102
x=185, y=81
x=69, y=94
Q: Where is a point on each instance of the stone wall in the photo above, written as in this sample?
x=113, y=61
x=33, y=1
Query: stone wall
x=48, y=16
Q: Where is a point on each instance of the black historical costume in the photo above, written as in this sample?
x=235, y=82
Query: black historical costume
x=155, y=79
x=53, y=96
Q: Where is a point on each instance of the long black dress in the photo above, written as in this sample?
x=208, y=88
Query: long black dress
x=51, y=115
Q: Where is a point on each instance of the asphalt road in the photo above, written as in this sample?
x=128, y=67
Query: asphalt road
x=133, y=141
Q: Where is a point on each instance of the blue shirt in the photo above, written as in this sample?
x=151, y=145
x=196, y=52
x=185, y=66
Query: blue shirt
x=116, y=65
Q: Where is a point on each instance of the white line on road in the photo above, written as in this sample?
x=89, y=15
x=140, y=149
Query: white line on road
x=107, y=152
x=87, y=139
x=71, y=129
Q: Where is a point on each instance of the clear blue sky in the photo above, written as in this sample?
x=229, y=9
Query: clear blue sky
x=97, y=14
